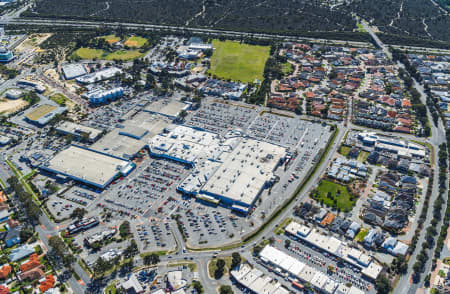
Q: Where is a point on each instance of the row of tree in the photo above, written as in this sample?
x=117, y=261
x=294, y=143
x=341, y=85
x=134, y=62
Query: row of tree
x=31, y=209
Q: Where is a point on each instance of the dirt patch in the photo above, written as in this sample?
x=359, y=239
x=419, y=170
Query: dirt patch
x=8, y=106
x=131, y=43
x=32, y=42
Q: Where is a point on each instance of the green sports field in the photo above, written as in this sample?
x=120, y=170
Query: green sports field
x=88, y=53
x=136, y=42
x=238, y=62
x=111, y=39
x=124, y=55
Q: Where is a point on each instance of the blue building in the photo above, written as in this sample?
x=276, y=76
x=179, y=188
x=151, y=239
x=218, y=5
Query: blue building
x=100, y=96
x=6, y=55
x=11, y=237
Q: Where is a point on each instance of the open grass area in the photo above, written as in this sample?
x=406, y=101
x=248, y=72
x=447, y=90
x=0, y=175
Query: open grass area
x=363, y=156
x=135, y=41
x=238, y=62
x=362, y=233
x=111, y=289
x=212, y=265
x=334, y=195
x=360, y=28
x=124, y=55
x=287, y=68
x=89, y=53
x=59, y=98
x=344, y=150
x=111, y=39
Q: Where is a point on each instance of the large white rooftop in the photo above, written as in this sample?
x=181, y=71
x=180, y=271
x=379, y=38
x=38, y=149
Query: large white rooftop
x=245, y=171
x=86, y=165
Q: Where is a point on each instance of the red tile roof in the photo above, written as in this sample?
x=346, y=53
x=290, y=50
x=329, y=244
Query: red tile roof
x=406, y=103
x=4, y=271
x=31, y=263
x=4, y=289
x=47, y=284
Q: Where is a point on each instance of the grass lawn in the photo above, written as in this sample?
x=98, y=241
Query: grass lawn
x=135, y=41
x=280, y=229
x=212, y=265
x=287, y=68
x=111, y=289
x=88, y=53
x=344, y=150
x=363, y=156
x=360, y=28
x=361, y=235
x=59, y=98
x=111, y=39
x=238, y=62
x=124, y=55
x=343, y=201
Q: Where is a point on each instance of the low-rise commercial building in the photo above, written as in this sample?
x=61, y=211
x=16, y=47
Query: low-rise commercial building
x=369, y=267
x=78, y=132
x=88, y=166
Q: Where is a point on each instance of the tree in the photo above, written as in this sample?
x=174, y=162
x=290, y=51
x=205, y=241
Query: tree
x=225, y=289
x=101, y=266
x=61, y=251
x=220, y=269
x=287, y=243
x=132, y=250
x=25, y=234
x=151, y=259
x=236, y=259
x=78, y=213
x=382, y=284
x=124, y=229
x=197, y=286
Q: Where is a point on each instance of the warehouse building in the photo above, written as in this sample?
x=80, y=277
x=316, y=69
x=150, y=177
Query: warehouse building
x=186, y=145
x=99, y=96
x=232, y=170
x=98, y=76
x=169, y=109
x=245, y=173
x=43, y=114
x=130, y=137
x=78, y=132
x=72, y=71
x=87, y=166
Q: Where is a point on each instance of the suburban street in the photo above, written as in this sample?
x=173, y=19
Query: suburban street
x=183, y=252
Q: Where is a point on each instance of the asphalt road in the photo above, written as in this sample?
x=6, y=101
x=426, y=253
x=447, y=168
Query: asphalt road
x=201, y=258
x=438, y=136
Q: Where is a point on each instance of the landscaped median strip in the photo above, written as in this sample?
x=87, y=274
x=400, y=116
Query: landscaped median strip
x=23, y=180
